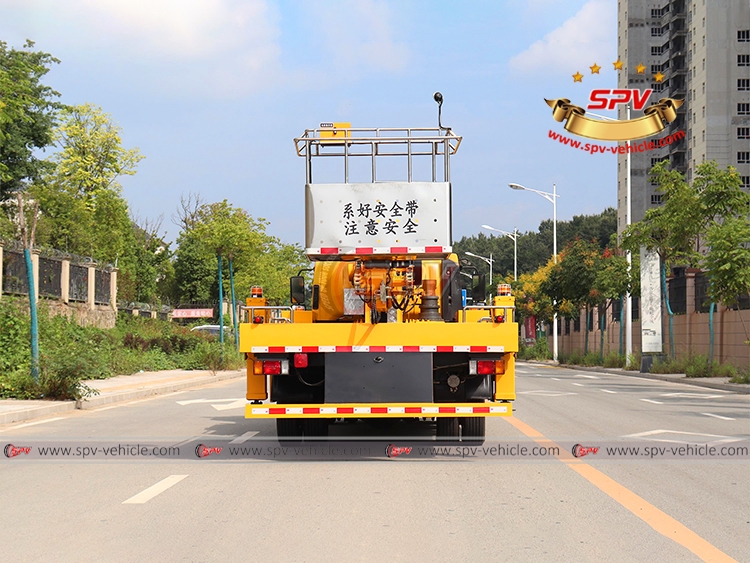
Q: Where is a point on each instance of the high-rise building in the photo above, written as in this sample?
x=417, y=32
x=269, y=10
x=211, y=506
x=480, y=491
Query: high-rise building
x=699, y=51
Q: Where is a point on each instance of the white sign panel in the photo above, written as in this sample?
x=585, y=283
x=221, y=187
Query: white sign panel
x=651, y=321
x=383, y=214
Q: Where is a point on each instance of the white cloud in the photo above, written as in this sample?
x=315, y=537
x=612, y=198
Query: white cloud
x=182, y=29
x=360, y=34
x=221, y=47
x=588, y=37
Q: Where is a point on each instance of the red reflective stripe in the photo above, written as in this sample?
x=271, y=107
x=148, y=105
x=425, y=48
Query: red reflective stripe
x=447, y=409
x=329, y=250
x=309, y=349
x=482, y=409
x=364, y=250
x=445, y=348
x=377, y=348
x=310, y=410
x=399, y=250
x=411, y=349
x=276, y=349
x=413, y=410
x=343, y=348
x=478, y=348
x=433, y=248
x=274, y=410
x=379, y=410
x=345, y=410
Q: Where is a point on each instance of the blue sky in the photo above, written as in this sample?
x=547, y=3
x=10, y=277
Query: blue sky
x=213, y=92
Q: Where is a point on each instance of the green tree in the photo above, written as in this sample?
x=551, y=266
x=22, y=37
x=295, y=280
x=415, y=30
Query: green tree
x=728, y=260
x=573, y=278
x=691, y=211
x=27, y=115
x=83, y=210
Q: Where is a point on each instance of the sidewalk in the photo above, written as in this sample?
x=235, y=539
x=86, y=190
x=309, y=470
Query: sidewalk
x=115, y=390
x=721, y=383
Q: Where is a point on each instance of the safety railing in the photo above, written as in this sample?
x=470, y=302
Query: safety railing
x=505, y=309
x=434, y=142
x=274, y=309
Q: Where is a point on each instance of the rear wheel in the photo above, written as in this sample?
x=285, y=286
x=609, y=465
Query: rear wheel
x=289, y=429
x=315, y=428
x=447, y=428
x=473, y=429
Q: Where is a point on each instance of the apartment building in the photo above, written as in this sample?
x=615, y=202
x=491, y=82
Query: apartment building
x=699, y=51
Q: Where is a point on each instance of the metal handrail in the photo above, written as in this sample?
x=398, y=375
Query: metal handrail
x=358, y=141
x=253, y=308
x=490, y=307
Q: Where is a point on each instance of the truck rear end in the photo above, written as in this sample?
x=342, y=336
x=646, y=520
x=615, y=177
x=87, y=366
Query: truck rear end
x=388, y=332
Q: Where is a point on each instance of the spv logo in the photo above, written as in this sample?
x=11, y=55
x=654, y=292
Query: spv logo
x=610, y=99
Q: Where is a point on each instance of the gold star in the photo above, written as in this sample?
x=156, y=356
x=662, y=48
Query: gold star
x=578, y=77
x=659, y=77
x=641, y=68
x=618, y=64
x=595, y=69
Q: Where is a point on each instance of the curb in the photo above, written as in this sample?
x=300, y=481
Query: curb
x=115, y=397
x=37, y=412
x=733, y=387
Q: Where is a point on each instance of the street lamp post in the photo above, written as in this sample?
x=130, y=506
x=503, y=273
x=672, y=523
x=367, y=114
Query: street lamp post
x=514, y=236
x=487, y=260
x=553, y=198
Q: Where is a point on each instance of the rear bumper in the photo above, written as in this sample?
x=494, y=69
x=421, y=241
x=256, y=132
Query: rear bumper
x=380, y=410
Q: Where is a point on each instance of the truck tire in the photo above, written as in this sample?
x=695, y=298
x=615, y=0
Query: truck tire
x=315, y=429
x=447, y=428
x=289, y=429
x=473, y=429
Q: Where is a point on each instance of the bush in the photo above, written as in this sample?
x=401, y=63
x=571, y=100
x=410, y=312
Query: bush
x=539, y=351
x=70, y=353
x=614, y=360
x=634, y=362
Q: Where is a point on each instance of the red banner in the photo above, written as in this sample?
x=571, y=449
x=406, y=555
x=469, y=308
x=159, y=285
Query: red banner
x=192, y=313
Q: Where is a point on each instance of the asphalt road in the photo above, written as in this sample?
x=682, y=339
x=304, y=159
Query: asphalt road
x=478, y=509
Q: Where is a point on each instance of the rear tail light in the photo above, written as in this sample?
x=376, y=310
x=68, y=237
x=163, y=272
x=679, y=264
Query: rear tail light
x=485, y=367
x=300, y=360
x=257, y=368
x=275, y=367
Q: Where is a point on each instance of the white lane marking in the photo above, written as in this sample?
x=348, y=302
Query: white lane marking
x=692, y=395
x=196, y=401
x=608, y=391
x=146, y=495
x=239, y=403
x=716, y=416
x=246, y=436
x=555, y=379
x=586, y=376
x=25, y=424
x=545, y=393
x=696, y=436
x=579, y=384
x=654, y=402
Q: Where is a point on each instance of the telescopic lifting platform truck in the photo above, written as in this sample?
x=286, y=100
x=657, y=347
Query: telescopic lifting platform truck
x=388, y=332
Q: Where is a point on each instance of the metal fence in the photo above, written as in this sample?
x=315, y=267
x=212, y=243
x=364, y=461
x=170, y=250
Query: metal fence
x=101, y=288
x=15, y=279
x=79, y=283
x=50, y=274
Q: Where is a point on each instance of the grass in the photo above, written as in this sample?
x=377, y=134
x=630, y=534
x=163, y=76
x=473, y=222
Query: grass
x=70, y=353
x=539, y=351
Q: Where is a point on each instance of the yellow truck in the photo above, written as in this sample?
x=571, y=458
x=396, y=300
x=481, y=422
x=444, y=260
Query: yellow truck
x=388, y=332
